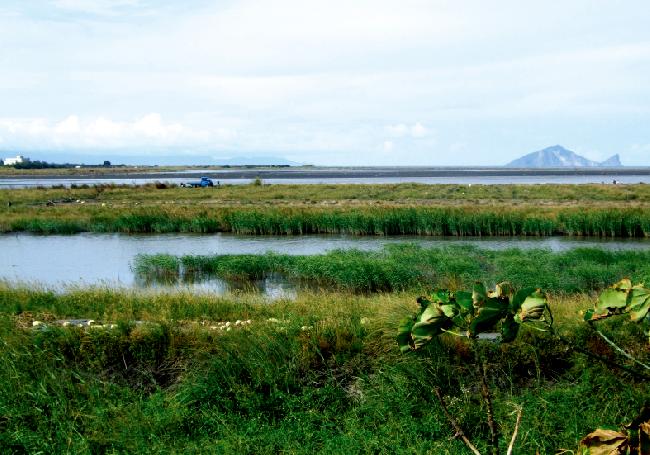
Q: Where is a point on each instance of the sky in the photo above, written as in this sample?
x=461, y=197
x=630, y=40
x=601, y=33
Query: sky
x=338, y=82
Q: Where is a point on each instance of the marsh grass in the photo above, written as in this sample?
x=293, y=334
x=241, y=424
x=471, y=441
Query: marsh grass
x=407, y=209
x=409, y=267
x=424, y=221
x=562, y=193
x=325, y=377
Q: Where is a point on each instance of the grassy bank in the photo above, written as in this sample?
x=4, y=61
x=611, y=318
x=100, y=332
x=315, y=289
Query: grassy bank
x=405, y=209
x=413, y=268
x=346, y=194
x=321, y=374
x=384, y=220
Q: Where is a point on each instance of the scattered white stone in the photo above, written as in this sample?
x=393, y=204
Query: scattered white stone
x=37, y=324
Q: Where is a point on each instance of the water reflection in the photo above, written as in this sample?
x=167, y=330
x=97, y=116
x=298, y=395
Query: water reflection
x=274, y=286
x=105, y=259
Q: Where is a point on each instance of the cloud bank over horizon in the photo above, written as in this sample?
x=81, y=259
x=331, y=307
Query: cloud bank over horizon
x=334, y=83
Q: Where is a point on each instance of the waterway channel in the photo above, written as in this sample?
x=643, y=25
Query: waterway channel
x=58, y=261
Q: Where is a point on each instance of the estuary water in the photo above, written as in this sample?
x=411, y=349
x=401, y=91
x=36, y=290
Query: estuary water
x=15, y=183
x=56, y=261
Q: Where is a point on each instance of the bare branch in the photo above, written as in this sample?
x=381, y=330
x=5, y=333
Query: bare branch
x=514, y=433
x=619, y=349
x=494, y=435
x=459, y=431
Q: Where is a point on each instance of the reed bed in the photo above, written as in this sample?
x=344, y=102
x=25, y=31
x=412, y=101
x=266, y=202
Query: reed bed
x=408, y=267
x=385, y=220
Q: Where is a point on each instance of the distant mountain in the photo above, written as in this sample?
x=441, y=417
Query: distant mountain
x=255, y=160
x=558, y=156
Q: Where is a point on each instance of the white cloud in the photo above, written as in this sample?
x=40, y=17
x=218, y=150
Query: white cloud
x=417, y=130
x=99, y=7
x=147, y=131
x=327, y=79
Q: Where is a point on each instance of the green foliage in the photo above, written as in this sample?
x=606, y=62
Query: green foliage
x=337, y=388
x=451, y=311
x=408, y=267
x=623, y=298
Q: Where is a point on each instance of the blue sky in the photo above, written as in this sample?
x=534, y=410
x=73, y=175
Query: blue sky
x=334, y=83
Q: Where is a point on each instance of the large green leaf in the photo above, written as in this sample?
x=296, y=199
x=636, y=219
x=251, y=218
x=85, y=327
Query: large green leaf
x=431, y=322
x=423, y=302
x=464, y=301
x=611, y=299
x=532, y=308
x=638, y=303
x=519, y=298
x=404, y=337
x=479, y=295
x=509, y=329
x=450, y=310
x=487, y=315
x=625, y=284
x=441, y=296
x=501, y=291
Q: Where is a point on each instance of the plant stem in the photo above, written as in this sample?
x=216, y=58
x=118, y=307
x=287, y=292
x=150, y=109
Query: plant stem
x=485, y=390
x=619, y=349
x=602, y=359
x=514, y=433
x=459, y=431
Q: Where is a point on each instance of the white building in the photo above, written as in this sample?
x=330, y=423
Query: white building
x=14, y=160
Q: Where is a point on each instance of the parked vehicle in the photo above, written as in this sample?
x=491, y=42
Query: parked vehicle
x=203, y=183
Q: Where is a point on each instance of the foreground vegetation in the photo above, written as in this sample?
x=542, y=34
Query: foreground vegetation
x=409, y=267
x=322, y=374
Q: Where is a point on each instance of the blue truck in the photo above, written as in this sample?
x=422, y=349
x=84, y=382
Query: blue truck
x=203, y=183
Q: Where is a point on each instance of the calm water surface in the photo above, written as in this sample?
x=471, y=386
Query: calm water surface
x=474, y=179
x=92, y=259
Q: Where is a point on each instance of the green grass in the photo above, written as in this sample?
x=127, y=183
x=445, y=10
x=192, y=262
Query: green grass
x=456, y=221
x=327, y=378
x=408, y=267
x=283, y=194
x=405, y=209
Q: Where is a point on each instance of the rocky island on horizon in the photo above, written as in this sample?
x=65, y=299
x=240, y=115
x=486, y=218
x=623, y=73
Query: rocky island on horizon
x=557, y=156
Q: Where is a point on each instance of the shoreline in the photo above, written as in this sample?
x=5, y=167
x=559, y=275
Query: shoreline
x=338, y=173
